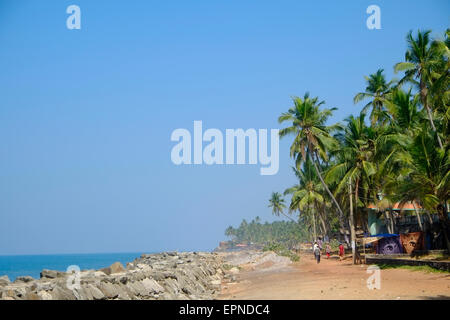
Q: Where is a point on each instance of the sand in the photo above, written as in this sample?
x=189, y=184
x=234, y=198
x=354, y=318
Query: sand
x=331, y=279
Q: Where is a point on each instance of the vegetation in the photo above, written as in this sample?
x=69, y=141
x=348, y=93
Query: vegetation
x=395, y=150
x=282, y=251
x=426, y=269
x=286, y=233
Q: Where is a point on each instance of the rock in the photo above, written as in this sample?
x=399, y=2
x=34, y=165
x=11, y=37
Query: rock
x=123, y=279
x=109, y=290
x=32, y=296
x=99, y=274
x=4, y=281
x=59, y=293
x=152, y=286
x=52, y=274
x=137, y=288
x=24, y=279
x=123, y=294
x=106, y=270
x=17, y=292
x=170, y=275
x=96, y=293
x=117, y=267
x=85, y=292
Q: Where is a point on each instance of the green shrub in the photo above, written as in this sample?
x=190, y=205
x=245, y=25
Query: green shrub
x=281, y=250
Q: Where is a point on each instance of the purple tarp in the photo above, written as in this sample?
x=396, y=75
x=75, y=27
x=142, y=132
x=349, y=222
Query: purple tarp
x=389, y=245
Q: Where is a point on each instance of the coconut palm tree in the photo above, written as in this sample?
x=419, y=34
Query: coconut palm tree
x=306, y=195
x=377, y=90
x=276, y=202
x=429, y=176
x=421, y=59
x=355, y=165
x=312, y=137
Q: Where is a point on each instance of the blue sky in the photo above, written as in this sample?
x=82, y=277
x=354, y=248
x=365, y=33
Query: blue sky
x=86, y=115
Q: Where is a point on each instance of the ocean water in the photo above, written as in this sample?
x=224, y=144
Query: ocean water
x=32, y=265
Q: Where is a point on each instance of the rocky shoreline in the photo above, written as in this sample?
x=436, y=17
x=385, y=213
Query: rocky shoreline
x=162, y=276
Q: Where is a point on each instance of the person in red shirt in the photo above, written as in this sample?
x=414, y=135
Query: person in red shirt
x=341, y=252
x=328, y=250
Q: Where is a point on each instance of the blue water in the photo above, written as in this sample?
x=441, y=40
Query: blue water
x=32, y=265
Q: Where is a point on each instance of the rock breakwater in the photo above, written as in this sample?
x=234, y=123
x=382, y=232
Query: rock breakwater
x=163, y=276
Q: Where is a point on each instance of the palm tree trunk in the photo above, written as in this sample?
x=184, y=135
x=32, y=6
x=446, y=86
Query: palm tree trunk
x=284, y=214
x=418, y=216
x=324, y=224
x=423, y=96
x=392, y=218
x=387, y=222
x=352, y=225
x=341, y=214
x=314, y=225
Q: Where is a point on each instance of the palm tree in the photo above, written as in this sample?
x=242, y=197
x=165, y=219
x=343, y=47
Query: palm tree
x=230, y=232
x=378, y=91
x=404, y=111
x=421, y=59
x=356, y=164
x=276, y=202
x=428, y=178
x=307, y=195
x=312, y=136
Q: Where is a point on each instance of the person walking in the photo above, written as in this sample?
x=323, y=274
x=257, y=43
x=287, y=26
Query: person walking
x=317, y=252
x=341, y=252
x=319, y=243
x=328, y=250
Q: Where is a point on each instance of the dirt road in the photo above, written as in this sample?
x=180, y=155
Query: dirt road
x=332, y=279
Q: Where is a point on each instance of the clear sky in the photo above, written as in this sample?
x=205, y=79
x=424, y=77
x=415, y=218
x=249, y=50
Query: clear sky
x=86, y=115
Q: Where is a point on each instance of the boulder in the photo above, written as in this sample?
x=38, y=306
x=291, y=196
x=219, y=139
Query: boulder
x=168, y=275
x=24, y=279
x=52, y=274
x=109, y=290
x=123, y=293
x=96, y=293
x=137, y=288
x=116, y=267
x=59, y=293
x=152, y=286
x=44, y=295
x=4, y=281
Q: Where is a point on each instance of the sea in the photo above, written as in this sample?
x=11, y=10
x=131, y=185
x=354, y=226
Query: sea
x=31, y=265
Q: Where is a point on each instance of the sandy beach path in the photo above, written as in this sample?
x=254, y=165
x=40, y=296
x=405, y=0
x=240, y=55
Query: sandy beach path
x=332, y=279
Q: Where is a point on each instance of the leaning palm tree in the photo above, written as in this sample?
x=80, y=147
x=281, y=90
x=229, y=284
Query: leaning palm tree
x=312, y=137
x=377, y=90
x=276, y=202
x=421, y=59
